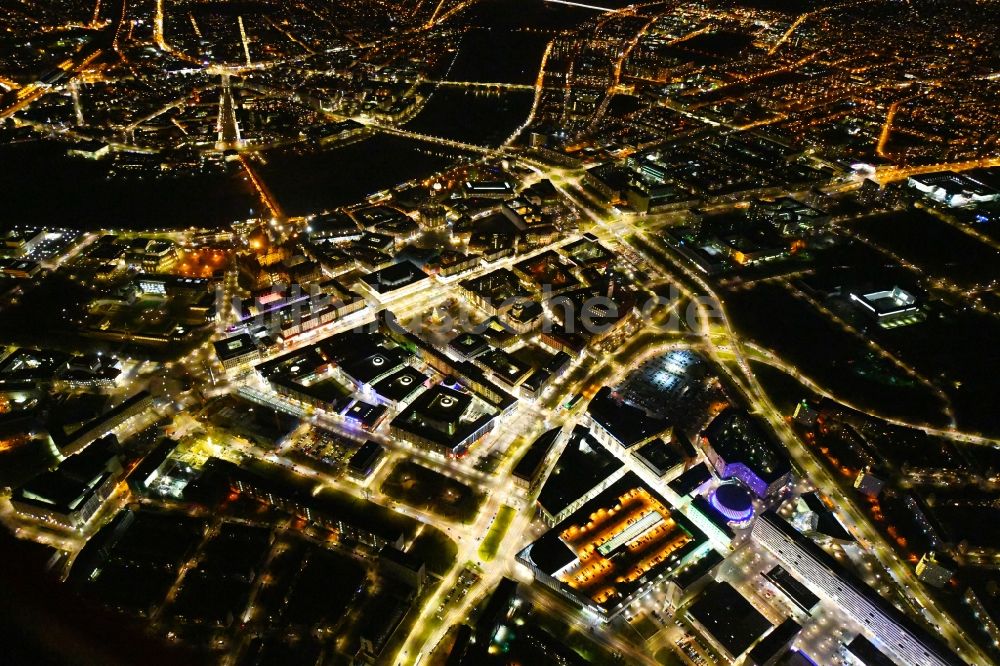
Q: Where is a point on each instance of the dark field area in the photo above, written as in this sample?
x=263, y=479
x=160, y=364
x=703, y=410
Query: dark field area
x=770, y=316
x=432, y=491
x=934, y=247
x=783, y=390
x=854, y=265
x=957, y=348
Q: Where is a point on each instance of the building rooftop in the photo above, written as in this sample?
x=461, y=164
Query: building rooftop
x=497, y=286
x=234, y=347
x=367, y=455
x=69, y=486
x=772, y=644
x=583, y=464
x=31, y=365
x=504, y=366
x=366, y=414
x=141, y=473
x=689, y=481
x=729, y=618
x=659, y=456
x=400, y=385
x=394, y=277
x=615, y=544
x=442, y=415
x=373, y=366
x=865, y=652
x=694, y=571
x=738, y=437
x=792, y=588
x=627, y=424
x=528, y=467
x=848, y=579
x=469, y=345
x=887, y=302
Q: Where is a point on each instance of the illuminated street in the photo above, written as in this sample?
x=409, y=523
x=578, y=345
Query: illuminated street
x=466, y=332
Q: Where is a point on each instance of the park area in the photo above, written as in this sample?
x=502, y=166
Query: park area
x=432, y=491
x=498, y=528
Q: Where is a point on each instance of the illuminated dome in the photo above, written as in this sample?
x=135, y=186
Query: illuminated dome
x=734, y=502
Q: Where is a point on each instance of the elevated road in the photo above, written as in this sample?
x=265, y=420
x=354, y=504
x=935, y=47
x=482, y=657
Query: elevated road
x=440, y=141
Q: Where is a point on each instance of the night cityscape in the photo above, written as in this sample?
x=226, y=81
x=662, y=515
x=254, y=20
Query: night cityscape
x=516, y=332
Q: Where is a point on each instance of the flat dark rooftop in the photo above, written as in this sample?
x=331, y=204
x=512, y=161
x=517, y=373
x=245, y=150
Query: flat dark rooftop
x=365, y=457
x=351, y=345
x=444, y=404
x=295, y=364
x=583, y=464
x=693, y=572
x=687, y=482
x=400, y=385
x=469, y=345
x=792, y=588
x=366, y=413
x=776, y=641
x=866, y=652
x=333, y=223
x=439, y=414
x=56, y=491
x=659, y=456
x=394, y=277
x=368, y=368
x=234, y=346
x=629, y=425
x=731, y=620
x=551, y=554
x=497, y=285
x=739, y=437
x=530, y=463
x=67, y=488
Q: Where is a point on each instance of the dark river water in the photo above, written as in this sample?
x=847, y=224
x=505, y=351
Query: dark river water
x=42, y=185
x=314, y=182
x=473, y=116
